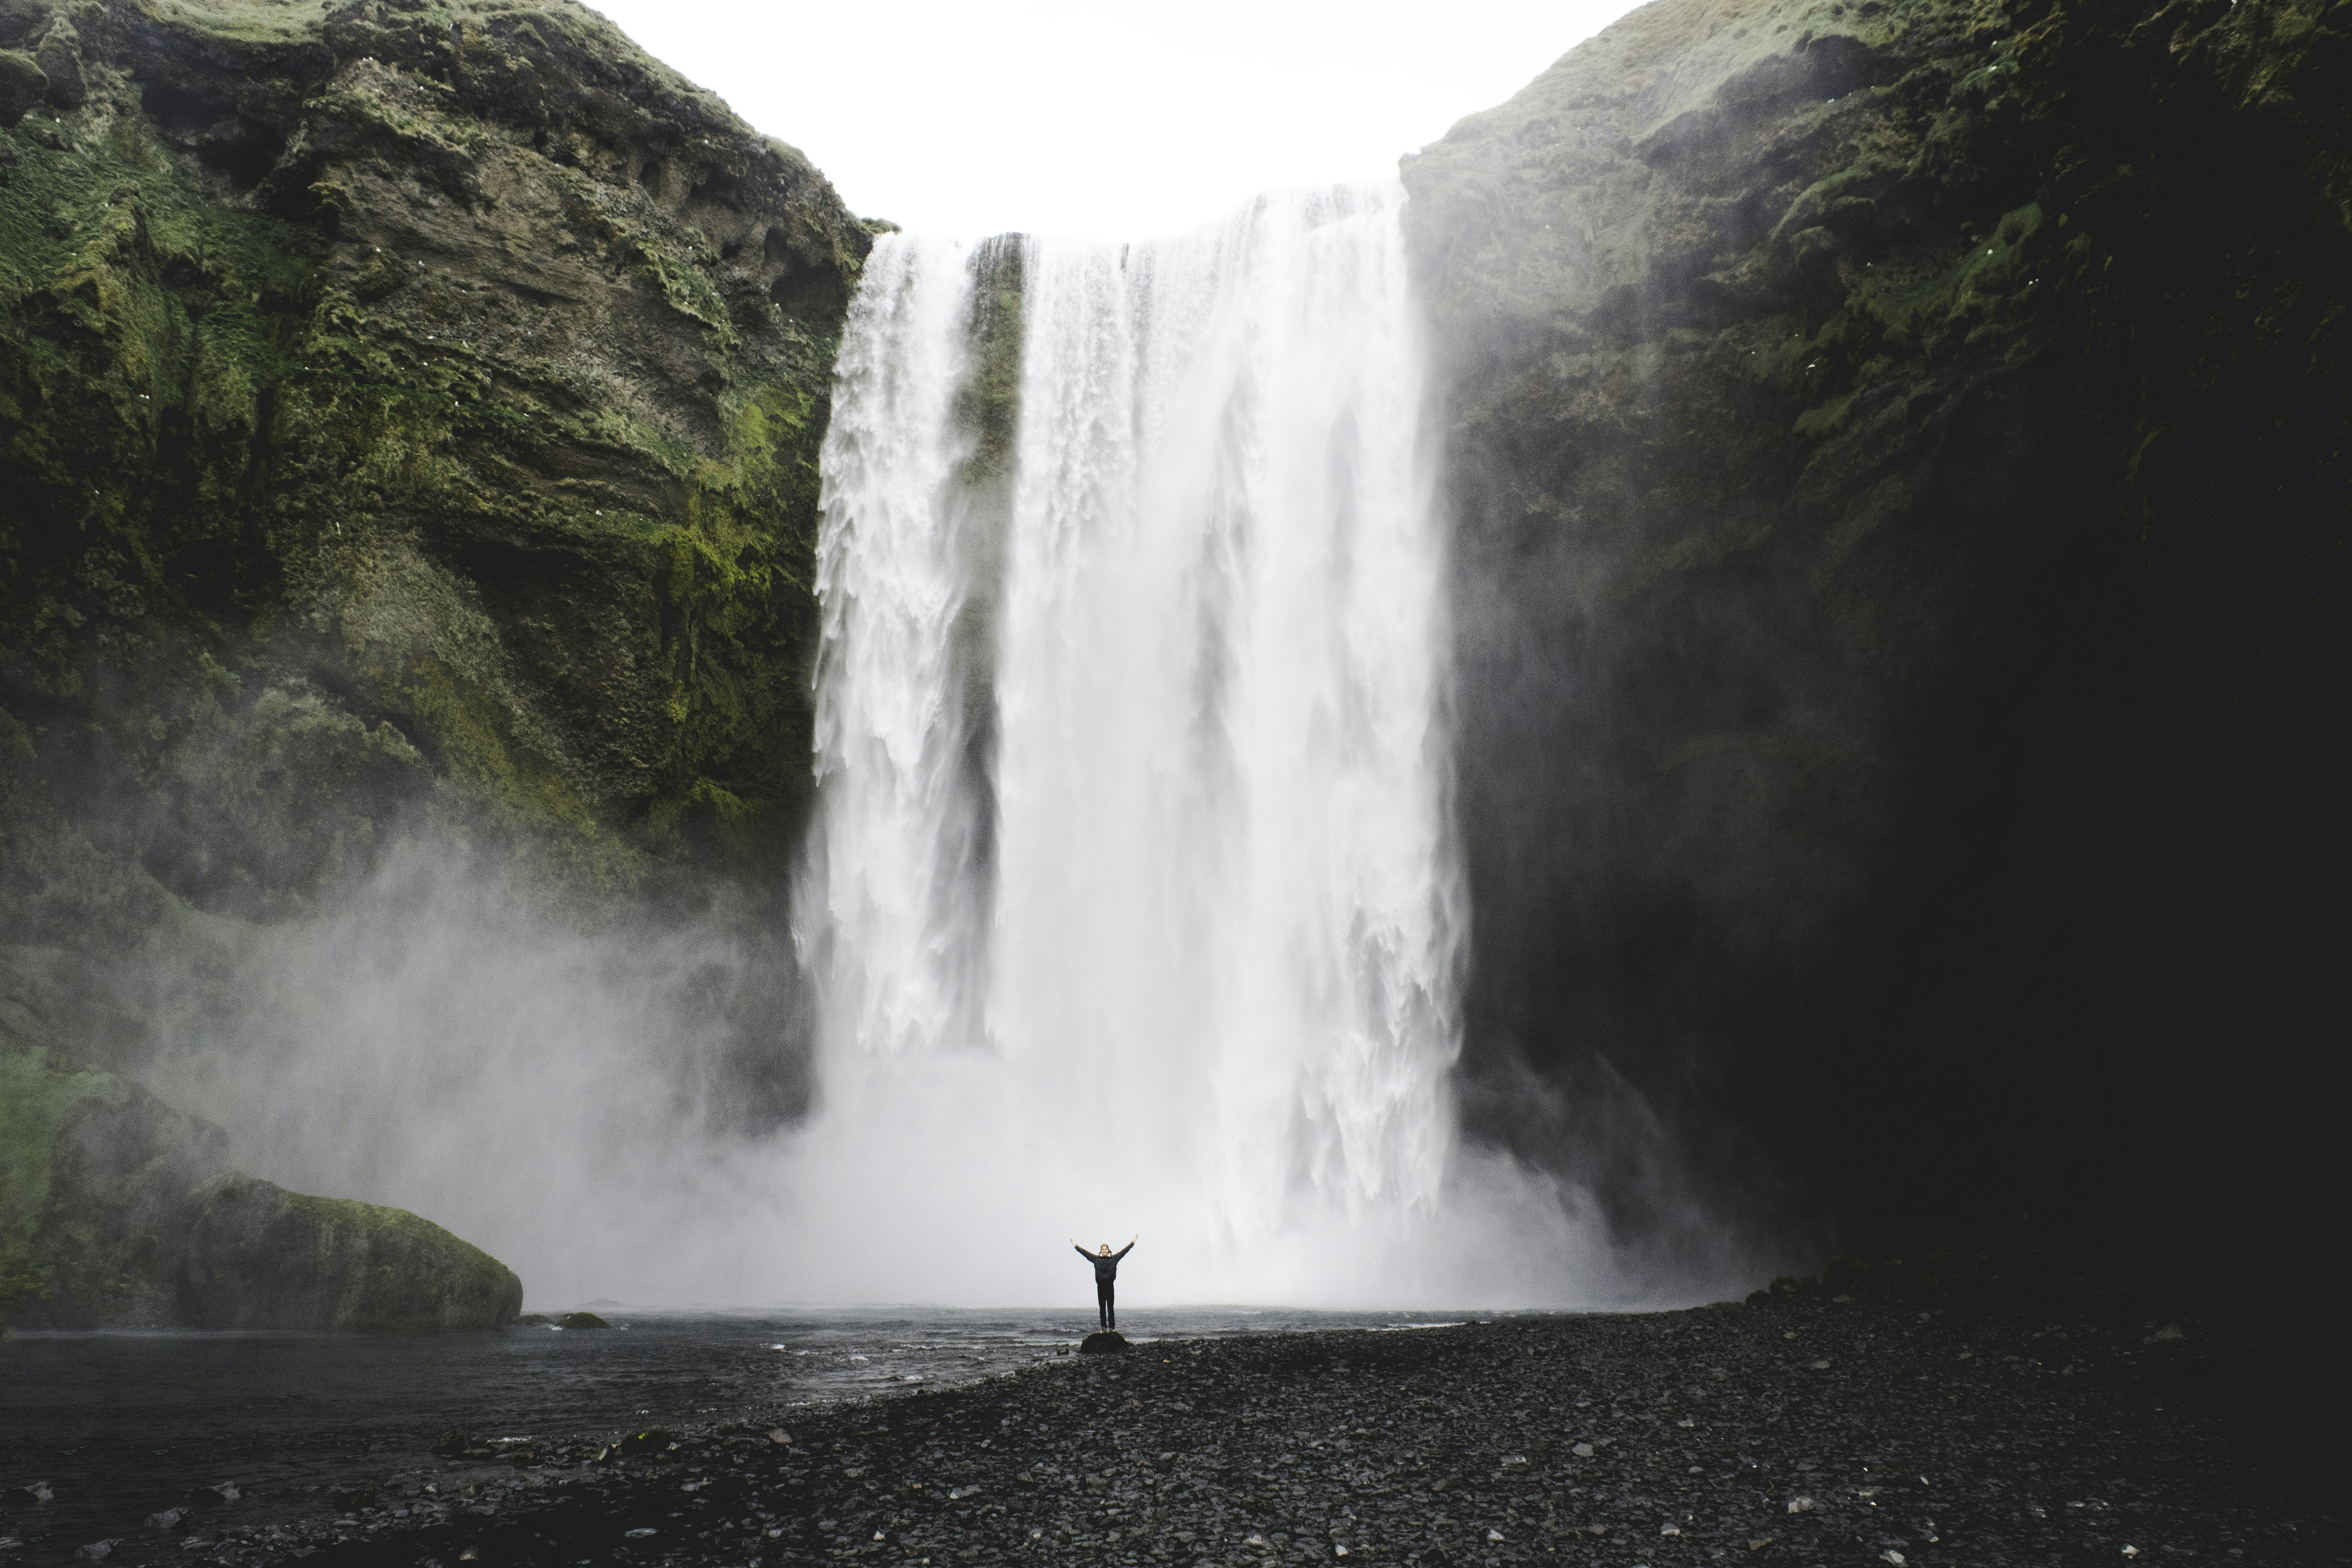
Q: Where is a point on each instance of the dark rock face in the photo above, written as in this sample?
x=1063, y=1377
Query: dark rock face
x=403, y=407
x=1104, y=1342
x=1905, y=691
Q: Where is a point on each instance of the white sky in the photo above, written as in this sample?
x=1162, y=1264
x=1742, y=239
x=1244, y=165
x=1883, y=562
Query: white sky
x=1099, y=120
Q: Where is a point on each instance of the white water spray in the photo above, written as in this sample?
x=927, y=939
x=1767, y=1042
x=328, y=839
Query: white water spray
x=1184, y=959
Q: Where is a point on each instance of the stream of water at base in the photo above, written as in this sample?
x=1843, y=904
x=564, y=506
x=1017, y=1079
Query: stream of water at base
x=123, y=1425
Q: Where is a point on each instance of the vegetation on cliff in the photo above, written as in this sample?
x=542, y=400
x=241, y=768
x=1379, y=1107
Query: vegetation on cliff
x=1900, y=474
x=408, y=420
x=405, y=406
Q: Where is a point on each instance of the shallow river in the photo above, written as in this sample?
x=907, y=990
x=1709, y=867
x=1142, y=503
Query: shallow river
x=124, y=1425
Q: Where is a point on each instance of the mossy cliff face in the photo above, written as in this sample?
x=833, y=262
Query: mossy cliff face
x=1903, y=533
x=403, y=405
x=117, y=1210
x=408, y=424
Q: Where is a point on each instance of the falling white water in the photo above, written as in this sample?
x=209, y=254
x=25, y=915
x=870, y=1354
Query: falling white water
x=1183, y=961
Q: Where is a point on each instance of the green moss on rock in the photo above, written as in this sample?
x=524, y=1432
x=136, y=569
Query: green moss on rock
x=117, y=1210
x=261, y=1257
x=407, y=410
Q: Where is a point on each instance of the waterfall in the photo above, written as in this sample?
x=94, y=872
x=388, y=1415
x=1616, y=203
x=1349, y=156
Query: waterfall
x=1131, y=900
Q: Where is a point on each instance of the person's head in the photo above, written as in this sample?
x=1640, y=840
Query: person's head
x=1105, y=1249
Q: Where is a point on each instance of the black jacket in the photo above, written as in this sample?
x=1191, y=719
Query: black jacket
x=1106, y=1268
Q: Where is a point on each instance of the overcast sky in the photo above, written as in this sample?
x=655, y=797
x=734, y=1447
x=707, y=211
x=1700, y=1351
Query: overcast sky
x=1110, y=121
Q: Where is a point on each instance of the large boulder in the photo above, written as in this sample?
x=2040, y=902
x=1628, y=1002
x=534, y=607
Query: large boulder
x=117, y=1210
x=23, y=84
x=259, y=1256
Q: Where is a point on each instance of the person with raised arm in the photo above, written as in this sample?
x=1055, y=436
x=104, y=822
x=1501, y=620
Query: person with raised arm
x=1105, y=1264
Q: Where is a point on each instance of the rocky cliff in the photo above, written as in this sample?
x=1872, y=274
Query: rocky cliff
x=405, y=408
x=408, y=423
x=1904, y=540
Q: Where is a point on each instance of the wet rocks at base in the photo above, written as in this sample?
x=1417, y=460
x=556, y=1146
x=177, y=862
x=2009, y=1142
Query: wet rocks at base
x=1806, y=1430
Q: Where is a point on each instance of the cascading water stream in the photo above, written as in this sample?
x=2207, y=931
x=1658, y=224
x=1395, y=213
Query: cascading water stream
x=1132, y=893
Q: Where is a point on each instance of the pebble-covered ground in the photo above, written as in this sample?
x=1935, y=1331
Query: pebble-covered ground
x=1810, y=1431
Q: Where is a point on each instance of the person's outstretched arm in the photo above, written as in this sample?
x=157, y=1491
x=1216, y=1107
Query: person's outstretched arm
x=1082, y=1252
x=1123, y=1251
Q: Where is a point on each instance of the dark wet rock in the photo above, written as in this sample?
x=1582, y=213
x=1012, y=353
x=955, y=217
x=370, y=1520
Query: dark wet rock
x=58, y=54
x=23, y=85
x=30, y=1495
x=580, y=1321
x=260, y=1257
x=1107, y=1342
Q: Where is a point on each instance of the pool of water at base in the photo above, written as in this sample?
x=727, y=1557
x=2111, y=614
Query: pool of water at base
x=123, y=1425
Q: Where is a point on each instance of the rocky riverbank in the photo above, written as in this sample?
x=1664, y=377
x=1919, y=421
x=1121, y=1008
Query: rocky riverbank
x=1814, y=1430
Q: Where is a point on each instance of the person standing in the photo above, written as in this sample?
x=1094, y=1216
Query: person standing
x=1105, y=1264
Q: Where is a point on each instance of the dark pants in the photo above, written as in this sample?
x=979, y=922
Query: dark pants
x=1102, y=1300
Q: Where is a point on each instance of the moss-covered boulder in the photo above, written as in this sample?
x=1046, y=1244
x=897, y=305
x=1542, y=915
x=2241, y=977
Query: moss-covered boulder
x=117, y=1211
x=96, y=1178
x=407, y=410
x=259, y=1256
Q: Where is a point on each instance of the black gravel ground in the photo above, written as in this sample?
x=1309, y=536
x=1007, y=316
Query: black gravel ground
x=1809, y=1431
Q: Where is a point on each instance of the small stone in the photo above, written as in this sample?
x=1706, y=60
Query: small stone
x=640, y=1532
x=94, y=1552
x=1493, y=1535
x=1670, y=1530
x=1582, y=1451
x=1891, y=1556
x=2131, y=1551
x=2166, y=1334
x=1801, y=1505
x=780, y=1435
x=167, y=1518
x=1820, y=1366
x=1758, y=1542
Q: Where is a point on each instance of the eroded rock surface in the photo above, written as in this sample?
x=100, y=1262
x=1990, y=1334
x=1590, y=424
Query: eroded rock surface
x=403, y=405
